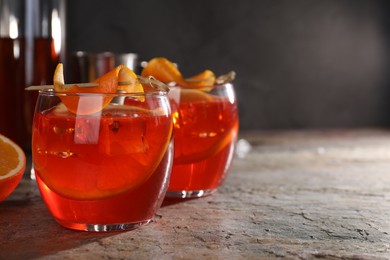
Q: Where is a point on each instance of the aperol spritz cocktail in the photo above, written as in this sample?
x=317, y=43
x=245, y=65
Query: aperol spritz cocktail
x=205, y=129
x=106, y=170
x=205, y=116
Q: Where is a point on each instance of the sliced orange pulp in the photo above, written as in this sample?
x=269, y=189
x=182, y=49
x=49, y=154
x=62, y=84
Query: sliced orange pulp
x=12, y=165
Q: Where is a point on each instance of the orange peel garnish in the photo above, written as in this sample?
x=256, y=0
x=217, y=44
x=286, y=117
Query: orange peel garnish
x=205, y=79
x=164, y=70
x=106, y=84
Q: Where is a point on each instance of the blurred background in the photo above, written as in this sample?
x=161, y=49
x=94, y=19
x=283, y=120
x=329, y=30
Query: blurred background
x=299, y=64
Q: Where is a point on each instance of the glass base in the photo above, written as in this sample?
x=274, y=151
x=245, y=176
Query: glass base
x=189, y=194
x=103, y=227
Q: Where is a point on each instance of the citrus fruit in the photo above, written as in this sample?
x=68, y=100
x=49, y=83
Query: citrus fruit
x=202, y=80
x=107, y=84
x=12, y=165
x=201, y=148
x=163, y=70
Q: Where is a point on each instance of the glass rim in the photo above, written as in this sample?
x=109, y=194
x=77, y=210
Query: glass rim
x=52, y=92
x=89, y=54
x=208, y=88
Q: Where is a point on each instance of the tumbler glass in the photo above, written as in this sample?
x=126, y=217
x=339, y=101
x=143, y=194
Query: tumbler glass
x=205, y=130
x=104, y=171
x=87, y=66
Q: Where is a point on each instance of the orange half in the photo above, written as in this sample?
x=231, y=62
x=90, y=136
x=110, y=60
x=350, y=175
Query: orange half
x=12, y=166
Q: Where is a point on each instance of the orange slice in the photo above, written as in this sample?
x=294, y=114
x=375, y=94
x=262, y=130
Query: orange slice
x=163, y=70
x=107, y=84
x=12, y=165
x=199, y=149
x=205, y=79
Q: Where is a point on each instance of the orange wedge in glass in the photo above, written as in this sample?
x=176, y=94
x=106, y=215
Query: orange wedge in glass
x=107, y=84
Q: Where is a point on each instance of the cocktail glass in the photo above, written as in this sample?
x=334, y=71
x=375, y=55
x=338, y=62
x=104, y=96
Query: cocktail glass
x=107, y=170
x=205, y=130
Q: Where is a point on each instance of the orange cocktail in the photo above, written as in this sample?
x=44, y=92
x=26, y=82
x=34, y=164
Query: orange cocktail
x=205, y=116
x=107, y=169
x=205, y=128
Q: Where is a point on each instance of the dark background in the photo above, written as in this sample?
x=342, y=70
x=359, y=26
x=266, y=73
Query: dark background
x=299, y=63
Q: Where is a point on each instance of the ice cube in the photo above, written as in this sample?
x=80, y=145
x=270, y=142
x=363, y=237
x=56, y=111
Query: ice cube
x=123, y=137
x=87, y=129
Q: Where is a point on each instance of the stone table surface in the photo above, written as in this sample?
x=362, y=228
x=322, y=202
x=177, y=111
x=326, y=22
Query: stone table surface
x=295, y=195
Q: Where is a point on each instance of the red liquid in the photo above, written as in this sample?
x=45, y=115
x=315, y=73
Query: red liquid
x=17, y=105
x=102, y=170
x=205, y=135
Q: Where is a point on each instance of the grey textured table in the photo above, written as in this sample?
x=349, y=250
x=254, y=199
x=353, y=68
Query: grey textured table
x=295, y=195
